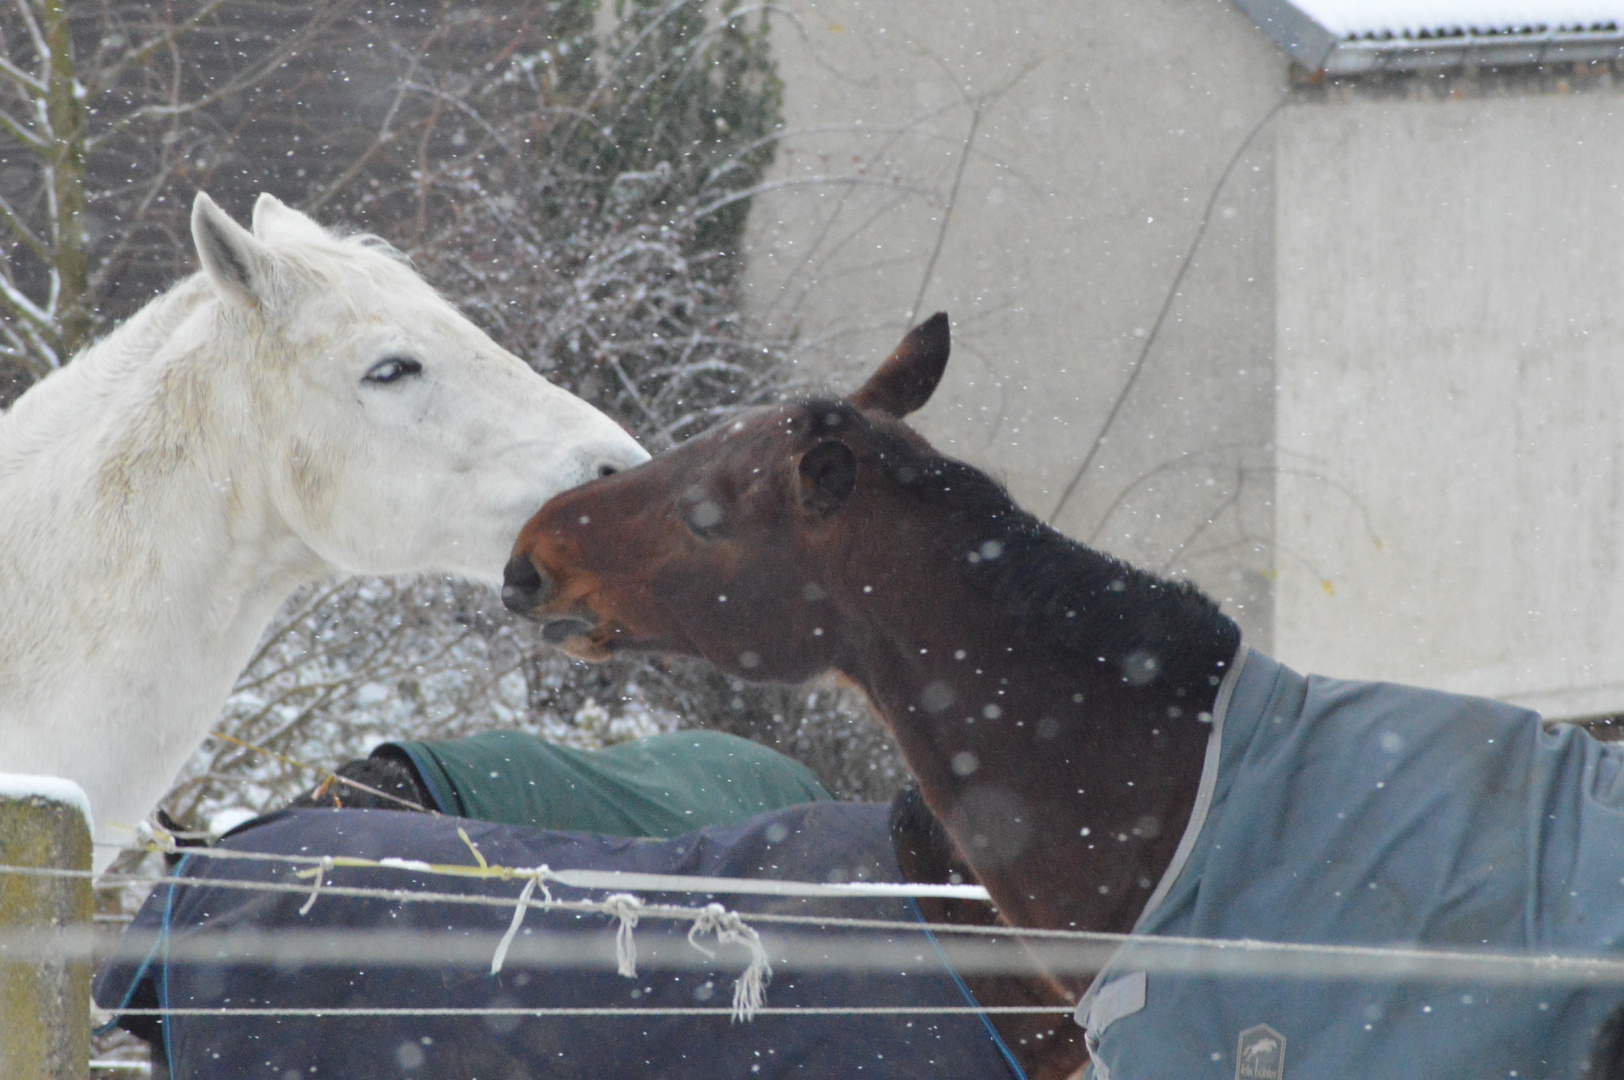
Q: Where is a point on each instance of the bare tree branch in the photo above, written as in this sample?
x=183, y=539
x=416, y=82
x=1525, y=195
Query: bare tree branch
x=22, y=78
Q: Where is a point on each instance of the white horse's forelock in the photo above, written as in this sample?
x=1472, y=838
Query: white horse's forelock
x=161, y=495
x=342, y=263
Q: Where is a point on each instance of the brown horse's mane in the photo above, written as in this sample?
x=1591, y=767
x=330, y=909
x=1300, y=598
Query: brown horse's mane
x=1143, y=628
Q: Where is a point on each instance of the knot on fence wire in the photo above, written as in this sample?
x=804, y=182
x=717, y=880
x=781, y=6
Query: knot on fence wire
x=537, y=877
x=156, y=838
x=624, y=906
x=750, y=989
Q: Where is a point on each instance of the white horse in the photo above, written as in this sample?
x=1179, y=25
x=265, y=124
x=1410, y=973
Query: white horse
x=303, y=407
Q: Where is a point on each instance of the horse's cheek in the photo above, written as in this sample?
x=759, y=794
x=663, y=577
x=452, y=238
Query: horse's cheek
x=679, y=590
x=310, y=480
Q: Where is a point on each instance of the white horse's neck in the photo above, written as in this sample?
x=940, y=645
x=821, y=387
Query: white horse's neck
x=127, y=483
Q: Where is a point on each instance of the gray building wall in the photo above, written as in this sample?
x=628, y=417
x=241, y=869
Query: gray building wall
x=1099, y=134
x=1451, y=409
x=1379, y=419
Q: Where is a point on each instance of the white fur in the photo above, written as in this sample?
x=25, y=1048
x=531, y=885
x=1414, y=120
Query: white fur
x=162, y=495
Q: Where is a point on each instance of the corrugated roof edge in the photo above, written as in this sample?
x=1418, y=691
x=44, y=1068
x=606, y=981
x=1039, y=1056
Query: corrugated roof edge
x=1318, y=50
x=1361, y=56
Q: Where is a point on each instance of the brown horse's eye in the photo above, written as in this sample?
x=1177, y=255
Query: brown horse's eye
x=704, y=518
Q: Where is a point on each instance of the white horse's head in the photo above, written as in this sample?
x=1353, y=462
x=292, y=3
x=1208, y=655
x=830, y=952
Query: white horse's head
x=397, y=436
x=306, y=407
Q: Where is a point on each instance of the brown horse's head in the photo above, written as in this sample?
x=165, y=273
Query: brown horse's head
x=728, y=547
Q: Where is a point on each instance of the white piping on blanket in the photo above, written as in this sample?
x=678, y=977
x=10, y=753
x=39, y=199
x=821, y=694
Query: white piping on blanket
x=1086, y=1015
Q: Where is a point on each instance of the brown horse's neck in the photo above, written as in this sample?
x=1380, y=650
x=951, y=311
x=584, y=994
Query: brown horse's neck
x=1048, y=1045
x=1050, y=701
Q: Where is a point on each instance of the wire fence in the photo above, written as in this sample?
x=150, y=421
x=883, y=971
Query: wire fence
x=754, y=943
x=806, y=942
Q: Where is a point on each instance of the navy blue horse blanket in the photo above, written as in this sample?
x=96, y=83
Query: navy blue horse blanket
x=197, y=962
x=1360, y=813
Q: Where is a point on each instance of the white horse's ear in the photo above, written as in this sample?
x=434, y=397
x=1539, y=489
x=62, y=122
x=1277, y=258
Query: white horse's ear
x=242, y=268
x=276, y=220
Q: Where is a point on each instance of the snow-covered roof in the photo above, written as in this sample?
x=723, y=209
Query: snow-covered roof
x=1341, y=37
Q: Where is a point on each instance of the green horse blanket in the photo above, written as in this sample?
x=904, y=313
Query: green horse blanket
x=663, y=786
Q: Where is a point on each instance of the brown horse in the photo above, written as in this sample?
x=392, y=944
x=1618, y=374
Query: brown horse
x=1003, y=657
x=828, y=535
x=1062, y=712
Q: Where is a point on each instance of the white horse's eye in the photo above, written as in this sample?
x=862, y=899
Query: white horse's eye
x=395, y=367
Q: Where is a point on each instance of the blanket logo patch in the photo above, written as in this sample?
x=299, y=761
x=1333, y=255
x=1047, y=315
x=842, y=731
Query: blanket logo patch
x=1261, y=1054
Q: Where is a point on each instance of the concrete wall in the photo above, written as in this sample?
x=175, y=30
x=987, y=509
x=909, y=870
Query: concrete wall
x=1099, y=134
x=1380, y=421
x=1451, y=369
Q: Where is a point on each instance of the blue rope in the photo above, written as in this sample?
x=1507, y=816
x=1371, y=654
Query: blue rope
x=140, y=972
x=163, y=939
x=986, y=1021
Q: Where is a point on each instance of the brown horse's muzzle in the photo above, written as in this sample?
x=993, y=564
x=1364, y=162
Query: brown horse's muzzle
x=528, y=588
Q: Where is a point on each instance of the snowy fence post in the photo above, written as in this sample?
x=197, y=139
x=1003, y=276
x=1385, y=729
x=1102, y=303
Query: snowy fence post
x=44, y=993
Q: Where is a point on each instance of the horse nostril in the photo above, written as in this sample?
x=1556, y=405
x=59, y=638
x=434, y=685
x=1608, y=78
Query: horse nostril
x=525, y=587
x=606, y=470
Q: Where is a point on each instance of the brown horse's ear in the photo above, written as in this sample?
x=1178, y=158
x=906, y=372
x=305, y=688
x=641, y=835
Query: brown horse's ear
x=828, y=474
x=909, y=376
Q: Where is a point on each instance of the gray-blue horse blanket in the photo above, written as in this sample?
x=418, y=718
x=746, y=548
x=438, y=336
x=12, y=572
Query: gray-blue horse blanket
x=1361, y=813
x=182, y=952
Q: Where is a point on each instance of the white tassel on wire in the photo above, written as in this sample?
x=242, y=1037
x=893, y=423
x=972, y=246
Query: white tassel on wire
x=518, y=915
x=625, y=906
x=750, y=989
x=319, y=873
